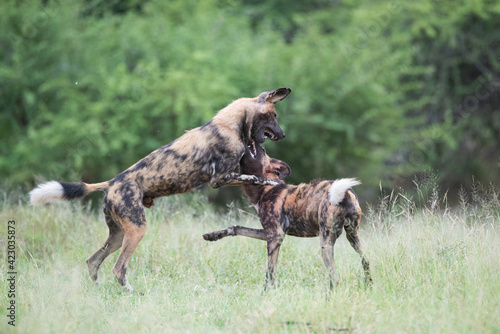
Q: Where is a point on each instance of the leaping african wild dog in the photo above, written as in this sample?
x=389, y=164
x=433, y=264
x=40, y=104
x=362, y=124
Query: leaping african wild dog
x=207, y=154
x=322, y=207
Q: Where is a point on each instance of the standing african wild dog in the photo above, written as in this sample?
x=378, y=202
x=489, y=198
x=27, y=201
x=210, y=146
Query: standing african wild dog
x=321, y=207
x=209, y=153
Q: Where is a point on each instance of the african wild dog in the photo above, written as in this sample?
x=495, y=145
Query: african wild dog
x=321, y=207
x=209, y=153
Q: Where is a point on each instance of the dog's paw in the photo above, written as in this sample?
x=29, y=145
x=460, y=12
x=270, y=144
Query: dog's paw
x=209, y=237
x=267, y=182
x=214, y=236
x=272, y=183
x=249, y=178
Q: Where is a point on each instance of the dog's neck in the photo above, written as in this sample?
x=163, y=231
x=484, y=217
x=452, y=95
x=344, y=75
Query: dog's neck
x=233, y=116
x=254, y=192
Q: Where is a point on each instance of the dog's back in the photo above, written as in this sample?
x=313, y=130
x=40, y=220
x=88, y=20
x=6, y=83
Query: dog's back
x=308, y=205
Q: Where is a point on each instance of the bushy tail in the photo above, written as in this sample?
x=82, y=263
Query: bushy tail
x=63, y=191
x=338, y=189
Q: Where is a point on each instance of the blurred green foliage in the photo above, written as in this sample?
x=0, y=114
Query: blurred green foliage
x=381, y=89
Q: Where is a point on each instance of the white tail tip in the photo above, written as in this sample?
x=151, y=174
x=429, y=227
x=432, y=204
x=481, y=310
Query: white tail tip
x=338, y=189
x=47, y=192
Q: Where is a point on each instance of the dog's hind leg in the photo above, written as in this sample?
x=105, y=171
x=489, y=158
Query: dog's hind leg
x=329, y=232
x=128, y=211
x=351, y=228
x=134, y=231
x=113, y=243
x=236, y=230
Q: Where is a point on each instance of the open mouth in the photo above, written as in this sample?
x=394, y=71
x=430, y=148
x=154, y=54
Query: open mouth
x=269, y=134
x=252, y=149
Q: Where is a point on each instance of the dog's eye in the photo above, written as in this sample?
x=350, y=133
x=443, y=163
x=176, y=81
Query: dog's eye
x=275, y=115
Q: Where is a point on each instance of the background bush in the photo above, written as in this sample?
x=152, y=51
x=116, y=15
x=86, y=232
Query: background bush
x=382, y=90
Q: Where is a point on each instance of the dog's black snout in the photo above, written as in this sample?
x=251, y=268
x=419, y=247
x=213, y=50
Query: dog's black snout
x=281, y=134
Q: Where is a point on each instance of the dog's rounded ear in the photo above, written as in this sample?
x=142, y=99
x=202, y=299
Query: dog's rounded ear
x=280, y=168
x=284, y=172
x=274, y=96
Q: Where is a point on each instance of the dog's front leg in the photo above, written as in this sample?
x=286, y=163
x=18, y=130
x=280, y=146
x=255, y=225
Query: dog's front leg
x=236, y=230
x=235, y=179
x=274, y=241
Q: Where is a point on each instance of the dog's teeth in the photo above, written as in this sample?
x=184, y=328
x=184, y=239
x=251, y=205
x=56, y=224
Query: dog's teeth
x=270, y=135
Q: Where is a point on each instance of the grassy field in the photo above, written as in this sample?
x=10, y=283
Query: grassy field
x=434, y=270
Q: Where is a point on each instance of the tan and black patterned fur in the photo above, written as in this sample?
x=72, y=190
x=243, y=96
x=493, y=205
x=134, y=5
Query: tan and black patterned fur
x=208, y=154
x=303, y=210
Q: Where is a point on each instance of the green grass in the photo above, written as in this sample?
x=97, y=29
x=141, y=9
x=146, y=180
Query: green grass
x=434, y=270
